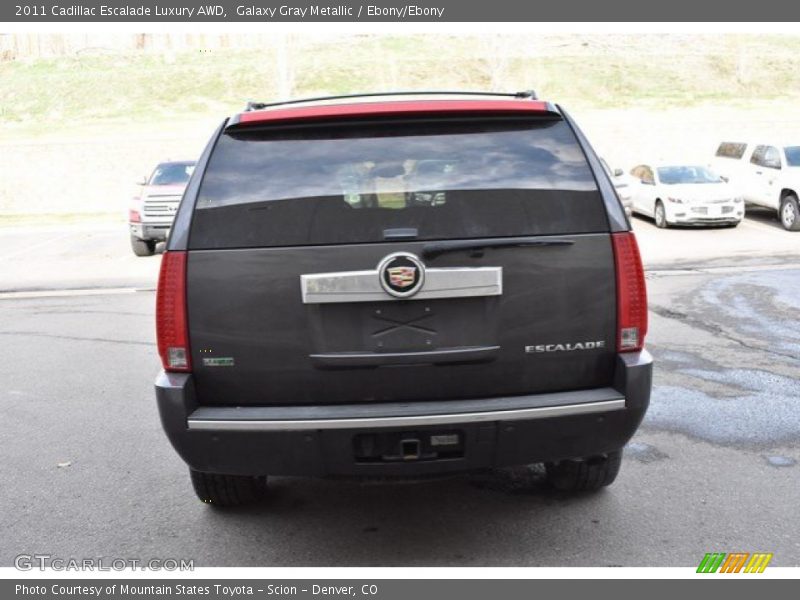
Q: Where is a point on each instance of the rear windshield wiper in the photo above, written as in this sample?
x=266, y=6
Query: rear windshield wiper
x=437, y=248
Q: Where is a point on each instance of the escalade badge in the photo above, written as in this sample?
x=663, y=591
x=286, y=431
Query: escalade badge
x=401, y=274
x=566, y=347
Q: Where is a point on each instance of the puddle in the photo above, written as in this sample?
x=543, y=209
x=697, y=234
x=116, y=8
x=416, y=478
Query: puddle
x=780, y=461
x=675, y=356
x=754, y=380
x=676, y=359
x=644, y=452
x=768, y=416
x=759, y=305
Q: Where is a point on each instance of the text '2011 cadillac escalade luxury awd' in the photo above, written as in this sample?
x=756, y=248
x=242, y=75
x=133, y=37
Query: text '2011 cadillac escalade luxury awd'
x=400, y=286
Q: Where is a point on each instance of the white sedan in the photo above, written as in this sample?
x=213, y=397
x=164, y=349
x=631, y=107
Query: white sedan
x=685, y=195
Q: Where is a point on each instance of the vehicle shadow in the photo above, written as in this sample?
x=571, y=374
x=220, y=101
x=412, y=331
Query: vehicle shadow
x=765, y=216
x=639, y=220
x=455, y=521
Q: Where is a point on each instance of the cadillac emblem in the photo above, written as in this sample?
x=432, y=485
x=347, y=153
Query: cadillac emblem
x=401, y=274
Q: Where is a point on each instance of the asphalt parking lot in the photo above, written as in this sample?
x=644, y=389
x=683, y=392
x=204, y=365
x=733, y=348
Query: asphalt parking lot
x=87, y=471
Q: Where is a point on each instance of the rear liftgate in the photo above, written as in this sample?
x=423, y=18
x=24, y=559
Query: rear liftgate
x=408, y=329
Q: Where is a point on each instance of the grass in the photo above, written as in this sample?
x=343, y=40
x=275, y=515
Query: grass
x=116, y=88
x=75, y=131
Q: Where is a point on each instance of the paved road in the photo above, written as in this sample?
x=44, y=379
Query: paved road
x=78, y=256
x=758, y=239
x=87, y=471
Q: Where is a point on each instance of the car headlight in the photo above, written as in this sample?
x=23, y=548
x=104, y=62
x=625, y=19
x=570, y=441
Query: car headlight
x=675, y=200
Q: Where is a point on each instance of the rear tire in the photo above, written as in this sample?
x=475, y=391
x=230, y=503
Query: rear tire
x=790, y=213
x=660, y=215
x=142, y=247
x=227, y=490
x=586, y=474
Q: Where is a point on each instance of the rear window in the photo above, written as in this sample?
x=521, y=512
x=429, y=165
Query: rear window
x=361, y=183
x=792, y=155
x=731, y=150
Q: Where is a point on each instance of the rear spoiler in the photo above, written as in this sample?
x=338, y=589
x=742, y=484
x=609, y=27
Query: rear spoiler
x=356, y=110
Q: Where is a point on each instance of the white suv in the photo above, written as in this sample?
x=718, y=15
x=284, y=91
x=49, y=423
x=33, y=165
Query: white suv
x=767, y=175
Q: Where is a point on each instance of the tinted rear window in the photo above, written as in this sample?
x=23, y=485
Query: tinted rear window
x=359, y=183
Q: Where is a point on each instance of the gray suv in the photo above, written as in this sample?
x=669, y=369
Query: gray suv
x=400, y=285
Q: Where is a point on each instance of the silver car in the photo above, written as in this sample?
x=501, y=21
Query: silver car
x=622, y=185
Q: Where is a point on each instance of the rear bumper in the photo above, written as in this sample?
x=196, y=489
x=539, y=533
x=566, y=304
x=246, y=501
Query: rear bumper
x=321, y=440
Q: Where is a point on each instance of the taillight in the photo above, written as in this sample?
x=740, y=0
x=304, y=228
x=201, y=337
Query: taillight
x=134, y=216
x=172, y=327
x=631, y=293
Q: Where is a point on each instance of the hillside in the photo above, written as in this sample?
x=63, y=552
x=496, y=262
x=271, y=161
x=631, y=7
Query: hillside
x=111, y=85
x=80, y=123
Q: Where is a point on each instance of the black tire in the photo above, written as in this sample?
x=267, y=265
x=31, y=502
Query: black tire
x=142, y=247
x=227, y=490
x=586, y=474
x=660, y=219
x=789, y=213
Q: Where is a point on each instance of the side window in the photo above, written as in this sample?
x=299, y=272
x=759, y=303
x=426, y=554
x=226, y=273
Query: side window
x=758, y=156
x=772, y=159
x=733, y=150
x=642, y=173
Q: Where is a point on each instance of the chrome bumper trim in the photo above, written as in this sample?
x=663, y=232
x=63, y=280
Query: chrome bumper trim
x=542, y=412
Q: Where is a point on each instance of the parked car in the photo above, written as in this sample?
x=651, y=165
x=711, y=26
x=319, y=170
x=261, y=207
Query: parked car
x=622, y=184
x=152, y=211
x=768, y=175
x=386, y=287
x=679, y=194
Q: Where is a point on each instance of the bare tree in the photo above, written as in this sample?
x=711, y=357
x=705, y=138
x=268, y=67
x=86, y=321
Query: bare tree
x=495, y=58
x=284, y=70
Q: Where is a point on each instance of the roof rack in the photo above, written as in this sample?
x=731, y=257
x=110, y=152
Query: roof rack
x=527, y=94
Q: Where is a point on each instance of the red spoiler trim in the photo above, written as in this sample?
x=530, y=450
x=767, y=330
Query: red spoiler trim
x=368, y=109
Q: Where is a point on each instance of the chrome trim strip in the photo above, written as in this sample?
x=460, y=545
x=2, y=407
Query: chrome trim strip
x=365, y=286
x=350, y=359
x=542, y=412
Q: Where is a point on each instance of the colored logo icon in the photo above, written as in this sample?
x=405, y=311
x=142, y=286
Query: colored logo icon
x=734, y=562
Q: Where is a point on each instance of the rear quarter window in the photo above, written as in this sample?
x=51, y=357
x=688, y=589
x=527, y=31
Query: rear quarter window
x=733, y=150
x=356, y=183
